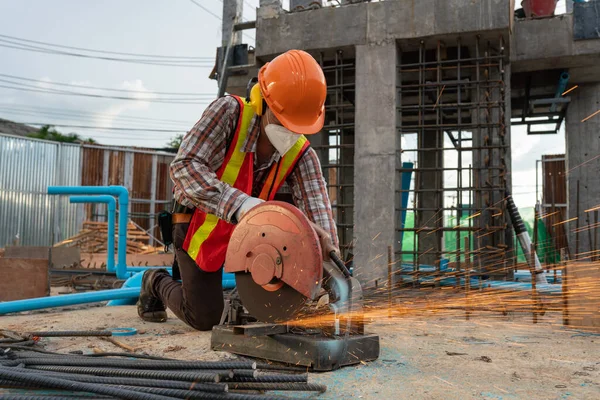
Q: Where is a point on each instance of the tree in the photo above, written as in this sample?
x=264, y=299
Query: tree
x=47, y=132
x=175, y=142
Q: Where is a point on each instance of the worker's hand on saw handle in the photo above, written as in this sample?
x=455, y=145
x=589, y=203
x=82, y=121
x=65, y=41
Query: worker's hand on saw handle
x=327, y=245
x=246, y=206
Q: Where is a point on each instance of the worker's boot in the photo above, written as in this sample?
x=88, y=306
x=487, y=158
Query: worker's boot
x=150, y=307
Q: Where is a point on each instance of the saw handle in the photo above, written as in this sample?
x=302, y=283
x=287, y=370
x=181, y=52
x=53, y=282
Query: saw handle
x=340, y=264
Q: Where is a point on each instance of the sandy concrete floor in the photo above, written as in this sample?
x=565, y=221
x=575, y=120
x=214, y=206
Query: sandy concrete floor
x=430, y=356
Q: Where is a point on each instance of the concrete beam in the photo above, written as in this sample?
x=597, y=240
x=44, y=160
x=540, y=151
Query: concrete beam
x=583, y=165
x=540, y=44
x=375, y=161
x=365, y=23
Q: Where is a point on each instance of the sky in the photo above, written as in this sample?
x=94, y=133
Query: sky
x=174, y=28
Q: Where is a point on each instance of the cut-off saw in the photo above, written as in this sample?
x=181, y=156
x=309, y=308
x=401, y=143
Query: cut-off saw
x=289, y=305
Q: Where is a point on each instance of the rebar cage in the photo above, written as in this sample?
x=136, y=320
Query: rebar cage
x=455, y=147
x=335, y=143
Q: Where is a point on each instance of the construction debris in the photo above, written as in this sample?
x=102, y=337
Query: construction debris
x=94, y=236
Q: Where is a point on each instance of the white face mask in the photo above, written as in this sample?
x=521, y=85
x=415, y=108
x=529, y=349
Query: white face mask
x=281, y=138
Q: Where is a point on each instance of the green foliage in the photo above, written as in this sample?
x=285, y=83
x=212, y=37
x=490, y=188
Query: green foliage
x=49, y=133
x=175, y=142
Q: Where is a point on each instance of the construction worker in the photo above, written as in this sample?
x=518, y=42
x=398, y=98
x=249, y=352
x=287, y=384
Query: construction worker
x=238, y=155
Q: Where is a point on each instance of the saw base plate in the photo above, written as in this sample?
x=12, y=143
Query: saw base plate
x=314, y=351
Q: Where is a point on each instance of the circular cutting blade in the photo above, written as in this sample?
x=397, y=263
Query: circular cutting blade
x=276, y=306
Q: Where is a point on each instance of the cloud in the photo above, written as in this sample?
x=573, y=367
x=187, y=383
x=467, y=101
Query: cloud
x=118, y=107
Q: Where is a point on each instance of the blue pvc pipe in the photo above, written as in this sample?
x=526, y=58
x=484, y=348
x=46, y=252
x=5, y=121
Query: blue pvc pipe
x=136, y=281
x=405, y=187
x=111, y=208
x=560, y=89
x=123, y=197
x=68, y=300
x=142, y=269
x=506, y=285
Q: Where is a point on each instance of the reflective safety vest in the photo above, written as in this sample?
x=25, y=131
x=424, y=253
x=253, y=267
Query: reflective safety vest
x=208, y=236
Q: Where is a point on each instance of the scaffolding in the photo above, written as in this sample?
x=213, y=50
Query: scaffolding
x=335, y=143
x=452, y=123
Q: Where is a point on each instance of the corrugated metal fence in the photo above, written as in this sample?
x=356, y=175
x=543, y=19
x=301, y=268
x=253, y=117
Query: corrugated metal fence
x=29, y=216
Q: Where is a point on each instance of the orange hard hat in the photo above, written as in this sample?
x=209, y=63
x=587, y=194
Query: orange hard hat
x=294, y=88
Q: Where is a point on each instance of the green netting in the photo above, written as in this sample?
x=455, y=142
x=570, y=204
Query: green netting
x=546, y=251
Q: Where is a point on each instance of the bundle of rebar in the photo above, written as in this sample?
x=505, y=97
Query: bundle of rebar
x=127, y=376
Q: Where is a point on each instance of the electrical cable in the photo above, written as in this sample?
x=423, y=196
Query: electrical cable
x=103, y=51
x=69, y=119
x=54, y=52
x=217, y=17
x=207, y=10
x=61, y=92
x=106, y=89
x=103, y=128
x=56, y=90
x=83, y=113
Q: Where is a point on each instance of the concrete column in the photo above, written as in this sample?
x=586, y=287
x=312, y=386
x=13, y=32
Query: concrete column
x=430, y=244
x=374, y=161
x=583, y=165
x=232, y=14
x=269, y=9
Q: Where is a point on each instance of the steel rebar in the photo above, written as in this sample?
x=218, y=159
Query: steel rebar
x=272, y=378
x=159, y=383
x=57, y=383
x=132, y=373
x=137, y=364
x=291, y=386
x=70, y=333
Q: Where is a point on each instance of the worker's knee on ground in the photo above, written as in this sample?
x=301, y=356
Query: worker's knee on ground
x=203, y=317
x=204, y=322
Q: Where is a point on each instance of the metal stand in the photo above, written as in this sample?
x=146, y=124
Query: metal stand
x=307, y=348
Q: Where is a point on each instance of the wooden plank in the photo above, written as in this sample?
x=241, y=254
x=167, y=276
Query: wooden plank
x=23, y=278
x=583, y=295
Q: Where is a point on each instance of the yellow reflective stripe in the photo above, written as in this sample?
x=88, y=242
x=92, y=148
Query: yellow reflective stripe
x=287, y=162
x=210, y=222
x=290, y=158
x=230, y=174
x=232, y=170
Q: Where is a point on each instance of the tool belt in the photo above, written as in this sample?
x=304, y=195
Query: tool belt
x=181, y=218
x=181, y=214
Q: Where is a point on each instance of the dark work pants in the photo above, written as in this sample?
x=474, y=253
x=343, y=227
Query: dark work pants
x=198, y=299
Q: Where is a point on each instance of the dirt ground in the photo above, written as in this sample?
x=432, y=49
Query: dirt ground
x=490, y=356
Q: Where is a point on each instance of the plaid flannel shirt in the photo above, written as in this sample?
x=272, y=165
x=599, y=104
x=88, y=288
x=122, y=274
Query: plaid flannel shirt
x=203, y=151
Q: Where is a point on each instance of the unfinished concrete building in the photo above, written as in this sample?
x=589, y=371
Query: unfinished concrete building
x=421, y=96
